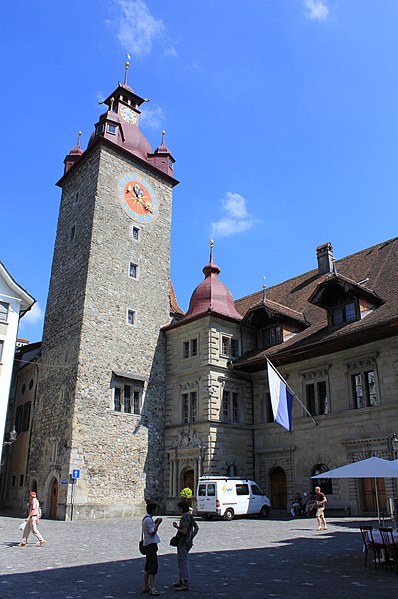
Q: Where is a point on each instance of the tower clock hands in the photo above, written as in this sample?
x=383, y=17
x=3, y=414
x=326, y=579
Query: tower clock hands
x=139, y=193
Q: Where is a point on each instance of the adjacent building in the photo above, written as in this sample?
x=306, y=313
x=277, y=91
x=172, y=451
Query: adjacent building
x=14, y=303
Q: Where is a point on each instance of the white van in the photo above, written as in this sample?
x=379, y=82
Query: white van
x=230, y=496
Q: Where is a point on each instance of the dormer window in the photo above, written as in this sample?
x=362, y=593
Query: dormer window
x=111, y=129
x=99, y=130
x=271, y=336
x=344, y=313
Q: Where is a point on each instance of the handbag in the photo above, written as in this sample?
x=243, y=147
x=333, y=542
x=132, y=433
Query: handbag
x=141, y=545
x=174, y=540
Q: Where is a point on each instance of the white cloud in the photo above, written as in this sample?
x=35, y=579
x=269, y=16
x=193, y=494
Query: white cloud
x=138, y=28
x=236, y=218
x=34, y=316
x=316, y=10
x=152, y=117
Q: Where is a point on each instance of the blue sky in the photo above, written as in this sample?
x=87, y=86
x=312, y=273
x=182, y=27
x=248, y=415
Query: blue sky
x=282, y=116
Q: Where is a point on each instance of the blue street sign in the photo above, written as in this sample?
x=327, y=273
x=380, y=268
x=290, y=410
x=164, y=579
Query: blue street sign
x=75, y=473
x=64, y=482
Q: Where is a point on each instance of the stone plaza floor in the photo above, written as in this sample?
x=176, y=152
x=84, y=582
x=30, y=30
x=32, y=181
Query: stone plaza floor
x=245, y=558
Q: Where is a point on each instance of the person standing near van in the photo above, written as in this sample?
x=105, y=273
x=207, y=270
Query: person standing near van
x=151, y=540
x=187, y=529
x=320, y=509
x=32, y=521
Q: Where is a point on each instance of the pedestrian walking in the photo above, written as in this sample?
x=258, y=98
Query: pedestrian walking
x=187, y=529
x=32, y=521
x=151, y=540
x=320, y=509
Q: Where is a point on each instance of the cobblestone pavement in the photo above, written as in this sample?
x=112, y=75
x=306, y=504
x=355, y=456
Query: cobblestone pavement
x=245, y=558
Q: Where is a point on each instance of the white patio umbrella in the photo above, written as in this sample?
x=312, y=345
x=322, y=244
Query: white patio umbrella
x=370, y=468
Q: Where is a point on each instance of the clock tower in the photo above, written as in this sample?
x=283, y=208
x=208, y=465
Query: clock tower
x=100, y=405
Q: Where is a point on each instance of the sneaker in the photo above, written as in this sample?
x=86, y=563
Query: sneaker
x=182, y=587
x=41, y=543
x=22, y=544
x=177, y=584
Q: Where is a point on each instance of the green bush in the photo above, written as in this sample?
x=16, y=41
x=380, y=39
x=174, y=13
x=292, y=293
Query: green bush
x=186, y=493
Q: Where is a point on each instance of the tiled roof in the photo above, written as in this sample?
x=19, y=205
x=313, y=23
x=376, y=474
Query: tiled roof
x=377, y=270
x=174, y=307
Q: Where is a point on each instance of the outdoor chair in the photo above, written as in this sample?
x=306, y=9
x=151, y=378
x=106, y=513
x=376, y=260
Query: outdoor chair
x=390, y=546
x=369, y=543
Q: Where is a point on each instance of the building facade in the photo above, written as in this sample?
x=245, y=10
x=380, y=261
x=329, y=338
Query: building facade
x=139, y=400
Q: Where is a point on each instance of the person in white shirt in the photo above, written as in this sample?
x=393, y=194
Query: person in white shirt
x=151, y=540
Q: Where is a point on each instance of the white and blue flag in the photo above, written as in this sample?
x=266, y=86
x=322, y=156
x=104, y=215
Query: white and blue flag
x=281, y=398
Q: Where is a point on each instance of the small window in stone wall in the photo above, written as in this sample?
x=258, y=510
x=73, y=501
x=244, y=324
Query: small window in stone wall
x=135, y=233
x=72, y=233
x=131, y=317
x=126, y=399
x=21, y=479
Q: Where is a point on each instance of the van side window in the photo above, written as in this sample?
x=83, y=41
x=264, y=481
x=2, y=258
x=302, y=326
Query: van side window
x=256, y=490
x=242, y=489
x=211, y=490
x=202, y=491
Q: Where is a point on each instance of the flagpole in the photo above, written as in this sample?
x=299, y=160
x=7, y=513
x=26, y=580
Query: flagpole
x=291, y=390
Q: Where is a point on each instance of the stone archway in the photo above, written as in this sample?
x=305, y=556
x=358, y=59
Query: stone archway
x=278, y=489
x=54, y=500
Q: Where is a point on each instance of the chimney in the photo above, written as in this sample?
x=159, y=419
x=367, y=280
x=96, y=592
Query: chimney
x=325, y=259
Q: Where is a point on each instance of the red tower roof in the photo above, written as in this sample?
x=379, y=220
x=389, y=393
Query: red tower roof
x=211, y=295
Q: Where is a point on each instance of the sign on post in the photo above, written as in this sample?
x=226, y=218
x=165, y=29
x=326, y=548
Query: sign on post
x=75, y=473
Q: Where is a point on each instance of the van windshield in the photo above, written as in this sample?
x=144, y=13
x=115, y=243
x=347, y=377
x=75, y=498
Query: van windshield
x=256, y=490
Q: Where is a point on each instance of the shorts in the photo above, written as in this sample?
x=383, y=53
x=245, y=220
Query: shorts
x=151, y=563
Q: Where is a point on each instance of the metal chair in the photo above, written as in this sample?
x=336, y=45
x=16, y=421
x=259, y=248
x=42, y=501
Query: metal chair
x=369, y=543
x=390, y=546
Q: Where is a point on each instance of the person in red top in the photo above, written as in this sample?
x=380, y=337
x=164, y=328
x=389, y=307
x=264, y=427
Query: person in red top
x=32, y=521
x=320, y=509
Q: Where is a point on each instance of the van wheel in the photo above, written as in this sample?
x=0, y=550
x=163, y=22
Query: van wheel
x=264, y=511
x=229, y=514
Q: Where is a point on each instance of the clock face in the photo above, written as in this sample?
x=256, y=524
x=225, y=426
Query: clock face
x=128, y=114
x=137, y=198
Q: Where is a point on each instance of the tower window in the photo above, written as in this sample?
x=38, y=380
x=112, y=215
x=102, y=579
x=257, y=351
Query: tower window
x=133, y=270
x=131, y=317
x=190, y=348
x=72, y=233
x=111, y=129
x=99, y=129
x=135, y=233
x=230, y=406
x=126, y=399
x=229, y=346
x=189, y=407
x=75, y=198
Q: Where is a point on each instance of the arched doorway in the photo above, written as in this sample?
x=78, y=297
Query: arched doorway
x=54, y=499
x=189, y=480
x=278, y=489
x=369, y=495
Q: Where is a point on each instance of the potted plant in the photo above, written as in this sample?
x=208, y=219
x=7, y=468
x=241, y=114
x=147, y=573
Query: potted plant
x=186, y=495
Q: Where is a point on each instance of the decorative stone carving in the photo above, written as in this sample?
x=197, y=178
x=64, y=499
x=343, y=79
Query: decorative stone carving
x=187, y=439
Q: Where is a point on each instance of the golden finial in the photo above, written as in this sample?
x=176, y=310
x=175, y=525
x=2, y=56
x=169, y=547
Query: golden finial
x=126, y=68
x=78, y=138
